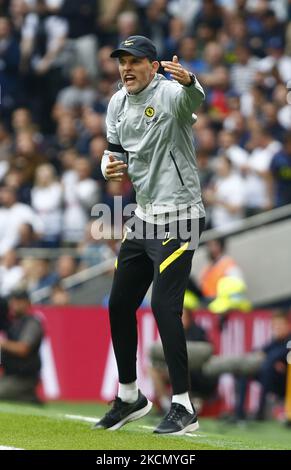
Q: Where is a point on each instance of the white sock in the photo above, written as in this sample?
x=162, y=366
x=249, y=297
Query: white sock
x=128, y=392
x=183, y=399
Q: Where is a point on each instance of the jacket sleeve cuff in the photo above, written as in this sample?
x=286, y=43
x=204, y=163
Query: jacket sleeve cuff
x=105, y=159
x=104, y=163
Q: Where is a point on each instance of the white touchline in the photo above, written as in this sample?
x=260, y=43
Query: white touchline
x=88, y=419
x=9, y=448
x=91, y=419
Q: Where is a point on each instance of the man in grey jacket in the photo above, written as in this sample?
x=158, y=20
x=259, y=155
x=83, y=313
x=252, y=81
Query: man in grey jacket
x=149, y=132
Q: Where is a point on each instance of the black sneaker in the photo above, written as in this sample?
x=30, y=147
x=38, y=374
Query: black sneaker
x=178, y=421
x=122, y=412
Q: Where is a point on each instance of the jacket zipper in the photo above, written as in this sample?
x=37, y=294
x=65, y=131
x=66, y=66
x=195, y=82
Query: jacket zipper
x=177, y=169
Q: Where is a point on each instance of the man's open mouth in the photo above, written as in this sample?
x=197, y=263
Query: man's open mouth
x=128, y=79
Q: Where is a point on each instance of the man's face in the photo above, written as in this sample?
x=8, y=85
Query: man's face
x=136, y=72
x=19, y=307
x=280, y=328
x=7, y=197
x=4, y=28
x=214, y=250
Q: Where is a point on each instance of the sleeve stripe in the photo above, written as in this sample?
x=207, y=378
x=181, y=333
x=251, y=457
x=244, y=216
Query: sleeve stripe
x=115, y=148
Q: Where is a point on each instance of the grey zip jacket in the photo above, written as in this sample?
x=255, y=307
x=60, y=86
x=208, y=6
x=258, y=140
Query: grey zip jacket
x=152, y=132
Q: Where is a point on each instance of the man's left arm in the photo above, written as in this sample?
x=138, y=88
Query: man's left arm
x=188, y=97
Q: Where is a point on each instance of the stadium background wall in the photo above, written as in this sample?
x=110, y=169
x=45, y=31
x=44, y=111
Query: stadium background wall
x=78, y=360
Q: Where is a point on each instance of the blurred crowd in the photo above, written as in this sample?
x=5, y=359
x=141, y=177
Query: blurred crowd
x=57, y=78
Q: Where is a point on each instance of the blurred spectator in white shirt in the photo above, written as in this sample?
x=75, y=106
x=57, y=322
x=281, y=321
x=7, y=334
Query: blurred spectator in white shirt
x=184, y=9
x=11, y=274
x=81, y=192
x=257, y=183
x=226, y=197
x=46, y=200
x=276, y=59
x=251, y=102
x=227, y=146
x=13, y=215
x=55, y=29
x=81, y=17
x=243, y=72
x=281, y=97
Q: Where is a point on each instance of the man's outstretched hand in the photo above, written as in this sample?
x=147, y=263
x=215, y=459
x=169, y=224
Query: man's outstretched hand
x=176, y=71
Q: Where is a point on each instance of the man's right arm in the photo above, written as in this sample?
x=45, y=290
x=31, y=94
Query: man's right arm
x=113, y=160
x=16, y=348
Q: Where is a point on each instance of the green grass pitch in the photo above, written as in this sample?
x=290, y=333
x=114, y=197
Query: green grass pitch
x=69, y=426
